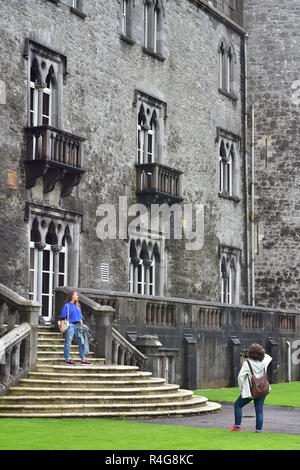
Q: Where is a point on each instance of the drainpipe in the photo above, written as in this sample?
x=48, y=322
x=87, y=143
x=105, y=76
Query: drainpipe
x=289, y=361
x=245, y=112
x=252, y=206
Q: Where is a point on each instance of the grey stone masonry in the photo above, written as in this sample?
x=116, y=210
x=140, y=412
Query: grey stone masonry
x=273, y=71
x=102, y=72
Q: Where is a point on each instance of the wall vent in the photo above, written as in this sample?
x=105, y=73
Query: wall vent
x=104, y=272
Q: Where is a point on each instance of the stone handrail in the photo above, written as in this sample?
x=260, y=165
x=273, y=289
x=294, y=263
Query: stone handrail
x=197, y=313
x=124, y=353
x=18, y=344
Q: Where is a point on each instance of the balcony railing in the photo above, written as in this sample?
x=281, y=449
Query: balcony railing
x=158, y=183
x=54, y=154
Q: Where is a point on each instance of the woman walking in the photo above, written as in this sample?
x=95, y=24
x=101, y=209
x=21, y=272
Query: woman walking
x=259, y=362
x=71, y=311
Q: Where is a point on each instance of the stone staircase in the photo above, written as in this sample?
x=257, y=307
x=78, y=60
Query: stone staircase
x=99, y=390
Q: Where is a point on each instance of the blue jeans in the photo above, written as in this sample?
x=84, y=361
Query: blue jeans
x=259, y=405
x=70, y=333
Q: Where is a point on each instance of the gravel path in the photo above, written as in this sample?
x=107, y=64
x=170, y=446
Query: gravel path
x=277, y=419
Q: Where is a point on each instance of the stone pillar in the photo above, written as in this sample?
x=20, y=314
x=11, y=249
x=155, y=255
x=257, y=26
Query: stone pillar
x=56, y=249
x=272, y=350
x=235, y=360
x=104, y=335
x=15, y=360
x=115, y=352
x=5, y=366
x=190, y=362
x=31, y=316
x=1, y=318
x=40, y=247
x=149, y=346
x=11, y=320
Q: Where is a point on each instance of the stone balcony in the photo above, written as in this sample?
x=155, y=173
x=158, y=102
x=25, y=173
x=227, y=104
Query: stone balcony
x=54, y=154
x=156, y=184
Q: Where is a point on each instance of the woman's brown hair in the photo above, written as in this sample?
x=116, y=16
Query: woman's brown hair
x=256, y=352
x=69, y=298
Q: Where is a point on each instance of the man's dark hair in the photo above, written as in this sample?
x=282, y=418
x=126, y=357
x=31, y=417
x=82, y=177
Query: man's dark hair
x=256, y=352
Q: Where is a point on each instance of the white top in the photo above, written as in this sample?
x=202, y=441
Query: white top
x=258, y=368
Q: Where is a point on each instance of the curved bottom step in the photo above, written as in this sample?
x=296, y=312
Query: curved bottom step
x=210, y=407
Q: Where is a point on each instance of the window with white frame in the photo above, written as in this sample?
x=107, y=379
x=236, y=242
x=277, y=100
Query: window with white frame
x=144, y=268
x=229, y=267
x=48, y=265
x=126, y=14
x=149, y=145
x=222, y=66
x=42, y=96
x=227, y=68
x=124, y=17
x=146, y=24
x=148, y=134
x=153, y=25
x=46, y=70
x=228, y=165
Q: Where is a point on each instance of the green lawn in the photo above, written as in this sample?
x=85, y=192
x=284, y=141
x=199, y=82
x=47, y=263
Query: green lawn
x=94, y=434
x=283, y=394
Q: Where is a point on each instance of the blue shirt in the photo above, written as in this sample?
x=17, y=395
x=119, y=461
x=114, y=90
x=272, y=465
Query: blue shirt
x=74, y=312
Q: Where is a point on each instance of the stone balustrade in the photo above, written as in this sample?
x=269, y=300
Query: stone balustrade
x=124, y=353
x=18, y=337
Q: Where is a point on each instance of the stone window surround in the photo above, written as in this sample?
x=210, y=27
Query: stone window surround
x=136, y=13
x=227, y=70
x=154, y=248
x=65, y=219
x=76, y=6
x=46, y=58
x=152, y=104
x=126, y=36
x=232, y=257
x=228, y=136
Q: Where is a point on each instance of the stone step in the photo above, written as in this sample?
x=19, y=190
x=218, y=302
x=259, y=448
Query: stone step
x=112, y=377
x=96, y=390
x=56, y=347
x=101, y=369
x=63, y=390
x=107, y=407
x=89, y=383
x=50, y=361
x=208, y=408
x=48, y=334
x=52, y=341
x=60, y=354
x=95, y=399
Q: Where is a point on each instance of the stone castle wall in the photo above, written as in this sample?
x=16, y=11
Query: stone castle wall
x=103, y=72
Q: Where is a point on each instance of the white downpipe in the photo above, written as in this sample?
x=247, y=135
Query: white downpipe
x=289, y=361
x=252, y=207
x=246, y=168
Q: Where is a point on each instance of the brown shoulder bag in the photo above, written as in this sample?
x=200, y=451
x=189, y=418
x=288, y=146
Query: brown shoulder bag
x=259, y=387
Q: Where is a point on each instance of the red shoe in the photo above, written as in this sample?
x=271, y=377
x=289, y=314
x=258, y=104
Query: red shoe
x=70, y=362
x=235, y=428
x=85, y=362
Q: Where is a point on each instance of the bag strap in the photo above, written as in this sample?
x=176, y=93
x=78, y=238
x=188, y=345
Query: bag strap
x=68, y=312
x=251, y=370
x=250, y=367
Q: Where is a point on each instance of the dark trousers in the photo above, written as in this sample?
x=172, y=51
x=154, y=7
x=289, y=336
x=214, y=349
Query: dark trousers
x=259, y=405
